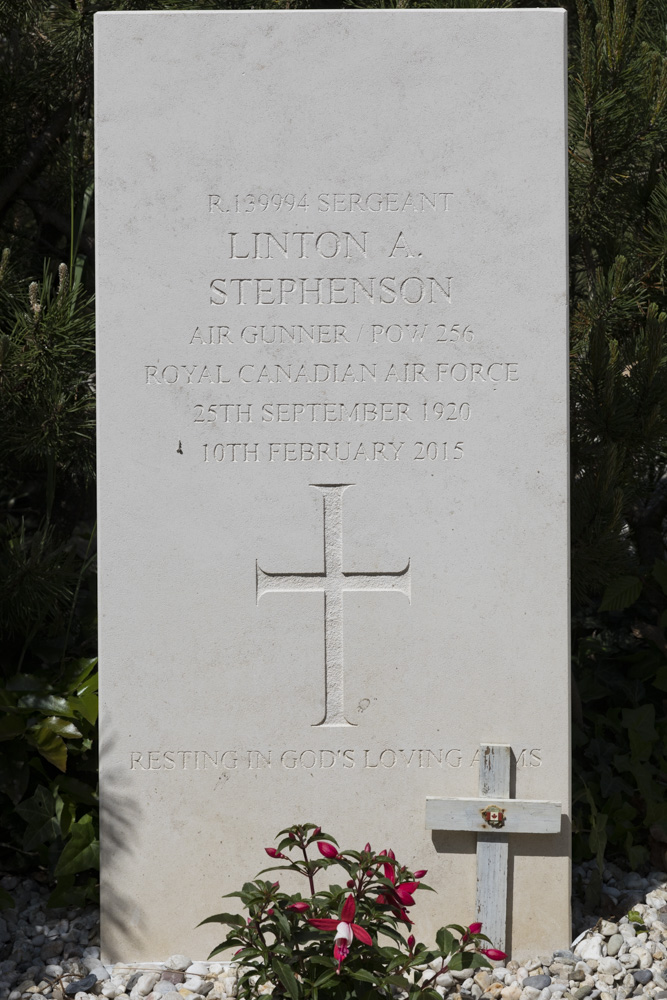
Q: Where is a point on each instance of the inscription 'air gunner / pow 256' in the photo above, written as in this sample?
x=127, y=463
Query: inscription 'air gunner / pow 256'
x=332, y=583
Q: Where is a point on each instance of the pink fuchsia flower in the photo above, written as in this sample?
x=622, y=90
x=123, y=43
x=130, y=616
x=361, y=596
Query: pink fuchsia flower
x=399, y=896
x=344, y=930
x=326, y=849
x=495, y=954
x=300, y=906
x=475, y=928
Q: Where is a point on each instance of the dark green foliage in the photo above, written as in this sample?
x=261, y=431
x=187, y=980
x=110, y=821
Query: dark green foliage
x=48, y=682
x=618, y=251
x=618, y=238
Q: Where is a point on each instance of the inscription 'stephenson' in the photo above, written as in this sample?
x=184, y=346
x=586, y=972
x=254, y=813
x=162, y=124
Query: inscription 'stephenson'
x=332, y=582
x=411, y=290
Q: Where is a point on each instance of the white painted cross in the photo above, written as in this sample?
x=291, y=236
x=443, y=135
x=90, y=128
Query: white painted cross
x=493, y=816
x=332, y=583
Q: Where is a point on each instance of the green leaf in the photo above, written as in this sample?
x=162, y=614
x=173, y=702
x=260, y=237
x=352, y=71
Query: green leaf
x=49, y=704
x=82, y=849
x=39, y=813
x=68, y=893
x=6, y=901
x=457, y=962
x=444, y=940
x=79, y=671
x=325, y=978
x=365, y=976
x=621, y=593
x=87, y=701
x=235, y=919
x=76, y=790
x=11, y=726
x=61, y=727
x=282, y=922
x=399, y=981
x=50, y=745
x=286, y=977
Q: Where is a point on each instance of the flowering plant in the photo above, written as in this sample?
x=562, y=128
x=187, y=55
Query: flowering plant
x=344, y=942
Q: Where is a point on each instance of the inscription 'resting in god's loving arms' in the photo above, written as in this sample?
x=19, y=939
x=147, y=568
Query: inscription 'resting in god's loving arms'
x=332, y=582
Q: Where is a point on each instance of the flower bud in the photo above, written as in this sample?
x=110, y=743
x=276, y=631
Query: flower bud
x=367, y=847
x=270, y=912
x=391, y=855
x=317, y=831
x=495, y=954
x=420, y=873
x=273, y=852
x=411, y=942
x=300, y=906
x=326, y=849
x=350, y=883
x=475, y=928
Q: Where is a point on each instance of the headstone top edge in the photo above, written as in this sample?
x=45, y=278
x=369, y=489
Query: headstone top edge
x=103, y=15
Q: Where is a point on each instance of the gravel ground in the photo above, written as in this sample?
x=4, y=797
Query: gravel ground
x=55, y=954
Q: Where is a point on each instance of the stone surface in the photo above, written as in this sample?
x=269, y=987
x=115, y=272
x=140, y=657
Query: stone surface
x=332, y=359
x=614, y=944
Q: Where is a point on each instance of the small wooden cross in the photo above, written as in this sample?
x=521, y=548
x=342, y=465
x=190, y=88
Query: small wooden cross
x=493, y=816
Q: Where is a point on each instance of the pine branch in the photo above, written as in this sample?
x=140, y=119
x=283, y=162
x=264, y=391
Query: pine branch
x=47, y=213
x=38, y=148
x=645, y=520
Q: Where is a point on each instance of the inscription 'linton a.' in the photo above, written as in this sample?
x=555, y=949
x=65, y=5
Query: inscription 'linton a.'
x=332, y=583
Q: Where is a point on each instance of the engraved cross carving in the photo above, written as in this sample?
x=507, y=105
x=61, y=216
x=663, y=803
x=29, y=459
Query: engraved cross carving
x=332, y=583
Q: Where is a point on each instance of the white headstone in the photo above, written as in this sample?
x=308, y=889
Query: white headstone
x=332, y=314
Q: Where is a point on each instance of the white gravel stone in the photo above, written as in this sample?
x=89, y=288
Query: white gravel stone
x=528, y=993
x=179, y=963
x=197, y=969
x=112, y=990
x=144, y=985
x=609, y=966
